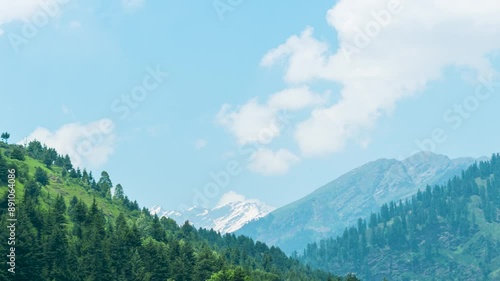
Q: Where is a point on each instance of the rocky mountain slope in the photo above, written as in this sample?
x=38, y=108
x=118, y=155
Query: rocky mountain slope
x=340, y=203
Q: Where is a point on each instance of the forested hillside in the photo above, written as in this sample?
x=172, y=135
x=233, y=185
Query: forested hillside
x=446, y=232
x=71, y=226
x=329, y=209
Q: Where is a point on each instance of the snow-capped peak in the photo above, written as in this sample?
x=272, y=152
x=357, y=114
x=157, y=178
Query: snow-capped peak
x=231, y=213
x=155, y=210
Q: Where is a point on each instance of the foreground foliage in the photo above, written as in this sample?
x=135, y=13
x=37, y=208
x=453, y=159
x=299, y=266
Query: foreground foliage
x=71, y=227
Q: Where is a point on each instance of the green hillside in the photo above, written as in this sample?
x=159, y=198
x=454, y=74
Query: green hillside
x=447, y=232
x=71, y=227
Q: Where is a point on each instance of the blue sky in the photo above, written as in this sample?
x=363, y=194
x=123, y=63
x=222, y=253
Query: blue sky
x=278, y=99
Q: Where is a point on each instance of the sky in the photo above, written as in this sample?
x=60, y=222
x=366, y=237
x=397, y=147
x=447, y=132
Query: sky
x=184, y=103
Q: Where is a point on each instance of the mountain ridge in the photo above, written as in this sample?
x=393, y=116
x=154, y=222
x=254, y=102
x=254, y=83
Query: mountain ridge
x=226, y=217
x=445, y=232
x=325, y=211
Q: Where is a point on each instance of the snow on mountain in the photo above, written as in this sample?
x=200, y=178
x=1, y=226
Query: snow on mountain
x=231, y=213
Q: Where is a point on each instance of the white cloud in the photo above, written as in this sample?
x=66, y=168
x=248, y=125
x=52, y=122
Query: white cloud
x=267, y=162
x=230, y=197
x=200, y=143
x=88, y=145
x=248, y=121
x=261, y=122
x=383, y=57
x=25, y=9
x=16, y=10
x=132, y=4
x=305, y=56
x=294, y=99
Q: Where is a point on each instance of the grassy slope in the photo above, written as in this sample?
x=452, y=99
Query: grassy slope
x=59, y=186
x=69, y=188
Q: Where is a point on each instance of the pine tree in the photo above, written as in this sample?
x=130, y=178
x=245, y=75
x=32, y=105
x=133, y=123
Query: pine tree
x=67, y=163
x=155, y=259
x=187, y=262
x=206, y=264
x=104, y=185
x=119, y=195
x=85, y=177
x=17, y=153
x=96, y=260
x=56, y=242
x=28, y=246
x=41, y=176
x=120, y=252
x=156, y=230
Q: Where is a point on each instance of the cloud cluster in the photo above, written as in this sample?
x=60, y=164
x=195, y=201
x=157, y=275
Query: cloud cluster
x=258, y=124
x=267, y=162
x=386, y=50
x=88, y=145
x=17, y=10
x=249, y=122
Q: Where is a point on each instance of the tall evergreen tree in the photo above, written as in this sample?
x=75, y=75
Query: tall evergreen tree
x=104, y=185
x=41, y=176
x=119, y=194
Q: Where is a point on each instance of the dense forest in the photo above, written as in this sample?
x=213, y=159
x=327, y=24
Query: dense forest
x=450, y=231
x=73, y=226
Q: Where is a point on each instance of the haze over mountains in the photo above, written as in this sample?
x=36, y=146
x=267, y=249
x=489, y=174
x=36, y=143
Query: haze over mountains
x=338, y=204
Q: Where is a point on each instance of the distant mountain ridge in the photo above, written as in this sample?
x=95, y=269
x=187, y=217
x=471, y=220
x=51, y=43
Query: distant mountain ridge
x=338, y=204
x=226, y=217
x=444, y=232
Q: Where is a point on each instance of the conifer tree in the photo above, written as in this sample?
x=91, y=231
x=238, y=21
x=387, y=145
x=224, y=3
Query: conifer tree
x=104, y=185
x=41, y=176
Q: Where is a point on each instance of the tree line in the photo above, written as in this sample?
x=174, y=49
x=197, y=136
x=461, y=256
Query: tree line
x=103, y=235
x=413, y=237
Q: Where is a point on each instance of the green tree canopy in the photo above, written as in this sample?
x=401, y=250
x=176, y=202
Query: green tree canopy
x=5, y=136
x=41, y=176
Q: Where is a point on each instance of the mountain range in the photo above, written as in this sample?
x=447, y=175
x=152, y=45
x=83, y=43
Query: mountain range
x=231, y=213
x=445, y=232
x=442, y=224
x=356, y=194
